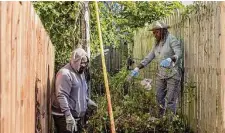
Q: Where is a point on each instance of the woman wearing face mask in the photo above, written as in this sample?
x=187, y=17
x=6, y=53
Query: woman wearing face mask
x=167, y=51
x=71, y=101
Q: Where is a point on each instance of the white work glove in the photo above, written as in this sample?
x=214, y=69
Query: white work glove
x=71, y=124
x=91, y=104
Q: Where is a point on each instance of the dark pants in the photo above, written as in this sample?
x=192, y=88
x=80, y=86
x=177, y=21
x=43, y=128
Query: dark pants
x=60, y=125
x=167, y=93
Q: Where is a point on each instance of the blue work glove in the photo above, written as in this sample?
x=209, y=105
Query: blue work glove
x=166, y=63
x=135, y=72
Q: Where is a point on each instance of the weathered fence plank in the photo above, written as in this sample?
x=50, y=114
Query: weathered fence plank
x=222, y=62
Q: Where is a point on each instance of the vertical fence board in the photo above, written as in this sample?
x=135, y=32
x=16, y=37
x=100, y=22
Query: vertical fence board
x=0, y=65
x=15, y=30
x=222, y=62
x=7, y=70
x=18, y=68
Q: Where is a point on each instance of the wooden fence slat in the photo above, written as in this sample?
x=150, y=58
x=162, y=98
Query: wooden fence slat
x=32, y=70
x=15, y=26
x=222, y=63
x=18, y=67
x=23, y=69
x=0, y=65
x=210, y=25
x=7, y=70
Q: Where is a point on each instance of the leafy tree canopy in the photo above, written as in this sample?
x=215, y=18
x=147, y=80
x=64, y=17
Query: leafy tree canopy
x=62, y=20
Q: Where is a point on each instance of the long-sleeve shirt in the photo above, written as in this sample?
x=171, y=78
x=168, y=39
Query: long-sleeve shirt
x=168, y=48
x=71, y=93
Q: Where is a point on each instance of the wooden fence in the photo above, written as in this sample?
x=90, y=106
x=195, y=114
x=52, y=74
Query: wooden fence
x=26, y=70
x=202, y=36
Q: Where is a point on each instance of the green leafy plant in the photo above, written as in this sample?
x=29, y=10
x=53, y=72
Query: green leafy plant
x=134, y=109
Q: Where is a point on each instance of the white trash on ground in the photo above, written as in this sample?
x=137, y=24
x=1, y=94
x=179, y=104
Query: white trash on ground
x=147, y=84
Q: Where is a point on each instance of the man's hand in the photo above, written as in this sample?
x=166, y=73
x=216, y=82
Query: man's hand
x=166, y=63
x=92, y=105
x=135, y=72
x=71, y=123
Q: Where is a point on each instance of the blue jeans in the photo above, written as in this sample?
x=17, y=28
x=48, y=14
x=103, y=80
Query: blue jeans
x=168, y=90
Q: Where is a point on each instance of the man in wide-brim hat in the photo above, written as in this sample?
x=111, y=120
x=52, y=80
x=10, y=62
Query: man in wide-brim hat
x=167, y=51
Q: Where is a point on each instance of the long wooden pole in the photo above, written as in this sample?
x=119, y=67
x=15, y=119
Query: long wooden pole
x=105, y=73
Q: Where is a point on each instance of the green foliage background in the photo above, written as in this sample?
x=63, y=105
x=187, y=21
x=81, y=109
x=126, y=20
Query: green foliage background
x=119, y=20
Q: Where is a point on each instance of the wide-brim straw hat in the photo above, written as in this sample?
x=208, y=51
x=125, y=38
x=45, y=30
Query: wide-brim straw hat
x=159, y=25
